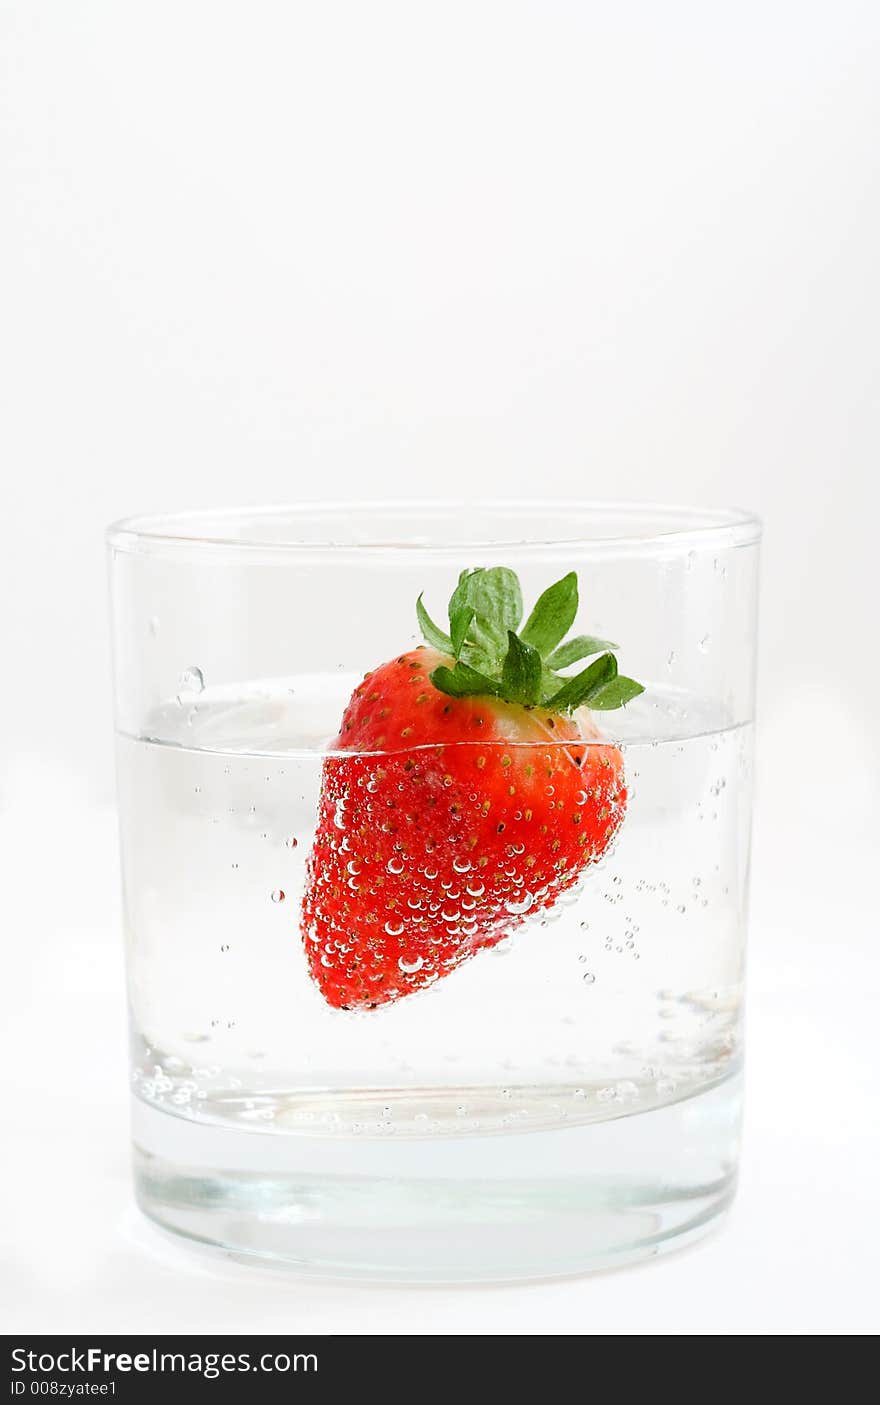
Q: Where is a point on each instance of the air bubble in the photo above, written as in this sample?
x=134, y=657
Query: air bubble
x=192, y=682
x=461, y=865
x=290, y=842
x=409, y=968
x=225, y=946
x=517, y=908
x=278, y=895
x=393, y=866
x=588, y=977
x=394, y=929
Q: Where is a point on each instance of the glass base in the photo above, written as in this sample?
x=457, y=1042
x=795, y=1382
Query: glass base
x=510, y=1207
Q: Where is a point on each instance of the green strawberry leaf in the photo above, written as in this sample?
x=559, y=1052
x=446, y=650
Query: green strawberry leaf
x=459, y=598
x=493, y=659
x=578, y=690
x=581, y=647
x=552, y=616
x=430, y=631
x=616, y=693
x=480, y=652
x=489, y=643
x=492, y=596
x=496, y=599
x=521, y=675
x=460, y=620
x=464, y=682
x=550, y=682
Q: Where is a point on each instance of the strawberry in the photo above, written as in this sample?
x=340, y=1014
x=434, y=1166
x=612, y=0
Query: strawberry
x=468, y=787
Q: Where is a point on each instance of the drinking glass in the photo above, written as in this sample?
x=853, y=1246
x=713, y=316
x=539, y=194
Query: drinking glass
x=371, y=1042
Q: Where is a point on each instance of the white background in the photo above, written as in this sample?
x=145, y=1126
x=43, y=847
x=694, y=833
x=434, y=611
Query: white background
x=267, y=252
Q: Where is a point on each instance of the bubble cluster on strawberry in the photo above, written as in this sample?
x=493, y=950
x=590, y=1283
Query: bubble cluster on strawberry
x=468, y=788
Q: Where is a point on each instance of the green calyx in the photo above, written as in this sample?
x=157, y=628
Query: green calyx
x=495, y=657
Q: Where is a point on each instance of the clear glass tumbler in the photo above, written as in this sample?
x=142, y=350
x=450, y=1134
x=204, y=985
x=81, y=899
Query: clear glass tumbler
x=435, y=919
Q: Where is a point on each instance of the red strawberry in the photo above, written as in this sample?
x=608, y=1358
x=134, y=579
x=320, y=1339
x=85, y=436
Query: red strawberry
x=462, y=798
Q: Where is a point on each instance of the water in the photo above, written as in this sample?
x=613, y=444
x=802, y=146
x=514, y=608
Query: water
x=568, y=1098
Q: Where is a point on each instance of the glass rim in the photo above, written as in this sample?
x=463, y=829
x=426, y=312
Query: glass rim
x=665, y=527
